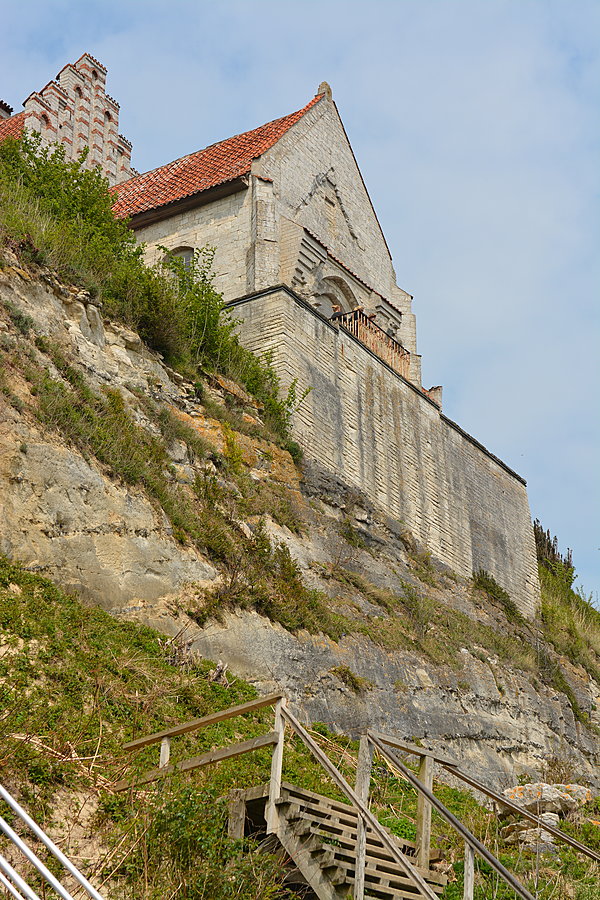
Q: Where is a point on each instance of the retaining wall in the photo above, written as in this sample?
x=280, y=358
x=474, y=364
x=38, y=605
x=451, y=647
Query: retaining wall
x=379, y=432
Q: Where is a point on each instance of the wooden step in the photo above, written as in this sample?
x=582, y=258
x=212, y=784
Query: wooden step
x=391, y=874
x=341, y=836
x=341, y=822
x=319, y=835
x=342, y=812
x=387, y=869
x=384, y=878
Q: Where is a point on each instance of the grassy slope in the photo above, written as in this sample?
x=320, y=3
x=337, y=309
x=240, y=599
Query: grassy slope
x=79, y=683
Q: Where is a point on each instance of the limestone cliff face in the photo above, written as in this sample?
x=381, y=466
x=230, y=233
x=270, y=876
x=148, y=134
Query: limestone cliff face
x=60, y=513
x=64, y=515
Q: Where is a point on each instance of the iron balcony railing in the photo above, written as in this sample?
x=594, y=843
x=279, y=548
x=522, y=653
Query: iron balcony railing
x=372, y=336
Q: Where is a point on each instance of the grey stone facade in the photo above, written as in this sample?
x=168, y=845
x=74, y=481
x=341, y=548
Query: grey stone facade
x=301, y=217
x=380, y=433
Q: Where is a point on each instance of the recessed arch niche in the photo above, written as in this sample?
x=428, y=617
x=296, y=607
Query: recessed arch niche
x=333, y=291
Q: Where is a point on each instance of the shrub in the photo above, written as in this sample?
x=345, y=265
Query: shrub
x=59, y=213
x=355, y=682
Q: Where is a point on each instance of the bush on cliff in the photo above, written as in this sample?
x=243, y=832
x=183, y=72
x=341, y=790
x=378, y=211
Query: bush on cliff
x=57, y=212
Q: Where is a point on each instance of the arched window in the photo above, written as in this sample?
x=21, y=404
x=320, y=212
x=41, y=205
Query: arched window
x=332, y=295
x=45, y=129
x=327, y=304
x=185, y=254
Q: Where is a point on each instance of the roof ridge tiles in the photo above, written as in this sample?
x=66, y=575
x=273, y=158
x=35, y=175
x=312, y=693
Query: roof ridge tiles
x=195, y=172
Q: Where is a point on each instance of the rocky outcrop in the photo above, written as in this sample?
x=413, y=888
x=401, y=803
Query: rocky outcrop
x=64, y=515
x=60, y=513
x=550, y=803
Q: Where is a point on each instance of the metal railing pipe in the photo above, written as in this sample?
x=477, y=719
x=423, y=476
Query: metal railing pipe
x=521, y=811
x=7, y=870
x=49, y=844
x=9, y=887
x=470, y=838
x=33, y=859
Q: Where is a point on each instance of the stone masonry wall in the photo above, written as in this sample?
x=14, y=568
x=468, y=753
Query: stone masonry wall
x=318, y=185
x=378, y=432
x=223, y=224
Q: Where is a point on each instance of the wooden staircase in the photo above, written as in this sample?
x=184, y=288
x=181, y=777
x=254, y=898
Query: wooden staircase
x=319, y=837
x=335, y=850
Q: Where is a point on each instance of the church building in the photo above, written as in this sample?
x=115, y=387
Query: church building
x=282, y=204
x=302, y=259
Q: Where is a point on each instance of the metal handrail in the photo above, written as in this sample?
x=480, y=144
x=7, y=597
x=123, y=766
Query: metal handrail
x=452, y=766
x=7, y=873
x=464, y=832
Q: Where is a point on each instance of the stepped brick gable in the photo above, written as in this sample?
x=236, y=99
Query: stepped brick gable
x=76, y=111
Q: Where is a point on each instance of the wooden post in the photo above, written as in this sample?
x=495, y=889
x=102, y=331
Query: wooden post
x=426, y=764
x=469, y=872
x=271, y=814
x=165, y=753
x=236, y=819
x=363, y=783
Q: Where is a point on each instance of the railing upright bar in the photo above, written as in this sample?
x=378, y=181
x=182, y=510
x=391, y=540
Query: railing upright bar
x=371, y=820
x=165, y=752
x=426, y=765
x=272, y=815
x=469, y=873
x=50, y=845
x=470, y=838
x=376, y=339
x=9, y=872
x=363, y=784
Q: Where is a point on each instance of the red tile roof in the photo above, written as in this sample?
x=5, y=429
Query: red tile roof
x=204, y=169
x=12, y=127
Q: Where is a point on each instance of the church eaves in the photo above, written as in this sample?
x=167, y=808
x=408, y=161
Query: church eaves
x=208, y=168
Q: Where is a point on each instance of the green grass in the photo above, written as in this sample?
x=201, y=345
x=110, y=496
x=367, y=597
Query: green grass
x=483, y=581
x=569, y=620
x=355, y=682
x=75, y=685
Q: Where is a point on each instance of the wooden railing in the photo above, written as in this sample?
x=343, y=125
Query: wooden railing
x=165, y=737
x=358, y=796
x=372, y=336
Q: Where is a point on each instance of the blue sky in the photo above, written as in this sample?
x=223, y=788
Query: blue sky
x=475, y=123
